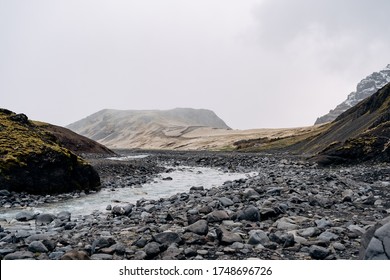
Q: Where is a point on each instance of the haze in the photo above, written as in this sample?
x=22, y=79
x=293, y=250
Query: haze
x=256, y=64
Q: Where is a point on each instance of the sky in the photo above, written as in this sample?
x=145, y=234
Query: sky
x=255, y=63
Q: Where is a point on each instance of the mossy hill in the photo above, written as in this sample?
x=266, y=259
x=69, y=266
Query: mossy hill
x=32, y=161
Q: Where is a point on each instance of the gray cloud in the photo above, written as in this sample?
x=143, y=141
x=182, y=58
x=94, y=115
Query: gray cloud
x=256, y=63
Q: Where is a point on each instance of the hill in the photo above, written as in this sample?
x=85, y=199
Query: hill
x=147, y=129
x=32, y=161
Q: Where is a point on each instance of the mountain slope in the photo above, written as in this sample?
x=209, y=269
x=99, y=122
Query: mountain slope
x=32, y=161
x=359, y=134
x=364, y=89
x=145, y=128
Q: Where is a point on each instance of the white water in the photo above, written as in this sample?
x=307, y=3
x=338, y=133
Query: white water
x=183, y=178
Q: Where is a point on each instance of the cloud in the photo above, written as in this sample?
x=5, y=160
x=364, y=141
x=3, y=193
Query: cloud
x=337, y=34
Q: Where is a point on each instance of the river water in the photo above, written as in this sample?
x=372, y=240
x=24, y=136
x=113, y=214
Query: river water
x=180, y=179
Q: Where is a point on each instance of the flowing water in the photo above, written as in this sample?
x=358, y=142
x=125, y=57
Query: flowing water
x=181, y=179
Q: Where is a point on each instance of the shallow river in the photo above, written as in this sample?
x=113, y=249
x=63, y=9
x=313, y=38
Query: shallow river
x=182, y=179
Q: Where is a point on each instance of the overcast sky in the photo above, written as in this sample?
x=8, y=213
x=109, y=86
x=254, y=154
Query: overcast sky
x=255, y=63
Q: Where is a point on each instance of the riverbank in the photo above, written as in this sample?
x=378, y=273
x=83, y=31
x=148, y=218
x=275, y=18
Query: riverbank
x=291, y=210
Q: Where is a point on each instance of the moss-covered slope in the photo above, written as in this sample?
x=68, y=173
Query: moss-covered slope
x=31, y=160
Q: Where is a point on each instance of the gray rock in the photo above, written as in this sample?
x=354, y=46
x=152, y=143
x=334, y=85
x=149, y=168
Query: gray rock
x=258, y=237
x=101, y=257
x=64, y=216
x=347, y=196
x=56, y=255
x=217, y=216
x=20, y=255
x=250, y=213
x=167, y=238
x=379, y=246
x=323, y=223
x=4, y=193
x=25, y=216
x=356, y=229
x=328, y=236
x=199, y=227
x=338, y=246
x=102, y=242
x=226, y=202
x=285, y=224
x=152, y=249
x=309, y=232
x=318, y=252
x=118, y=210
x=37, y=237
x=44, y=219
x=37, y=247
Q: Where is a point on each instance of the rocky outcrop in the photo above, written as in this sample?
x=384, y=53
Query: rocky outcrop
x=31, y=160
x=365, y=88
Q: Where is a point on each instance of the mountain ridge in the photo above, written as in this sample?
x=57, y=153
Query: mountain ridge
x=364, y=89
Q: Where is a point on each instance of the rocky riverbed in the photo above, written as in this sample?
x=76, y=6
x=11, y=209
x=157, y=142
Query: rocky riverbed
x=291, y=209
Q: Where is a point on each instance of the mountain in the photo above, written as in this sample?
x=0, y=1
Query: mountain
x=148, y=129
x=359, y=134
x=364, y=89
x=33, y=161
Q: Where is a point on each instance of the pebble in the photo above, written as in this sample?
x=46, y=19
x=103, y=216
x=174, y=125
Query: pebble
x=289, y=209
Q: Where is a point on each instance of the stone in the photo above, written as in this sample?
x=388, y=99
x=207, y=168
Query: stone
x=101, y=257
x=226, y=202
x=285, y=224
x=75, y=255
x=347, y=195
x=25, y=216
x=323, y=223
x=64, y=216
x=250, y=213
x=328, y=236
x=102, y=242
x=217, y=216
x=318, y=252
x=356, y=229
x=4, y=193
x=199, y=227
x=20, y=255
x=44, y=219
x=37, y=247
x=309, y=232
x=258, y=237
x=227, y=237
x=167, y=238
x=118, y=210
x=379, y=246
x=152, y=249
x=268, y=213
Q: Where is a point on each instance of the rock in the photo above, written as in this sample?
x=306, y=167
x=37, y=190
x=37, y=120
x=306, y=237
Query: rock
x=64, y=216
x=226, y=202
x=327, y=236
x=379, y=246
x=356, y=229
x=309, y=232
x=318, y=252
x=102, y=242
x=258, y=237
x=268, y=213
x=44, y=219
x=250, y=213
x=251, y=193
x=101, y=257
x=4, y=193
x=347, y=196
x=20, y=255
x=323, y=223
x=152, y=249
x=167, y=238
x=199, y=227
x=37, y=247
x=75, y=255
x=37, y=237
x=108, y=207
x=227, y=237
x=217, y=216
x=338, y=246
x=118, y=210
x=285, y=224
x=25, y=216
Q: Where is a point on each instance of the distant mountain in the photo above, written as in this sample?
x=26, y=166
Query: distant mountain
x=145, y=128
x=364, y=89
